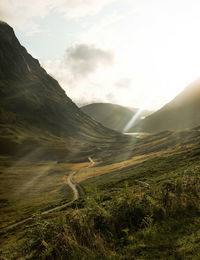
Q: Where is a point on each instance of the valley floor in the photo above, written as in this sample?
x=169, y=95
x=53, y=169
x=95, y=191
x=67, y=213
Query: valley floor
x=144, y=207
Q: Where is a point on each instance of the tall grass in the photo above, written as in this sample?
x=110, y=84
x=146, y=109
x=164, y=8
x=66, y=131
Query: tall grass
x=111, y=223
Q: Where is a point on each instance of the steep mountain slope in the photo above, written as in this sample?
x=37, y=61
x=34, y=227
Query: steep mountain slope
x=182, y=112
x=35, y=111
x=111, y=115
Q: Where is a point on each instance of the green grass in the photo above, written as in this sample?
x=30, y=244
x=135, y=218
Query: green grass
x=152, y=171
x=160, y=222
x=120, y=216
x=28, y=187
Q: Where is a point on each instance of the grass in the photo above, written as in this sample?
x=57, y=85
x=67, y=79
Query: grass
x=152, y=171
x=160, y=222
x=156, y=158
x=30, y=187
x=145, y=207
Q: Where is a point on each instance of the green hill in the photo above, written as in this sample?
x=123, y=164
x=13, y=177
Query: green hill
x=41, y=130
x=113, y=116
x=182, y=112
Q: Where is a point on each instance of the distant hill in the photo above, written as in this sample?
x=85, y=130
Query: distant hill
x=35, y=112
x=111, y=115
x=182, y=112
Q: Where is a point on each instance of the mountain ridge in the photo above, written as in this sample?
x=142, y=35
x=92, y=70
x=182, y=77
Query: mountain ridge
x=111, y=115
x=180, y=113
x=32, y=102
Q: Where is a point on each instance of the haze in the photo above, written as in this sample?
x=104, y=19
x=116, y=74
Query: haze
x=133, y=53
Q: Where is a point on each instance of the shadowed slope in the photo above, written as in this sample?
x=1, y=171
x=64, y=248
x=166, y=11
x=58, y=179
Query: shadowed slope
x=182, y=112
x=111, y=115
x=34, y=109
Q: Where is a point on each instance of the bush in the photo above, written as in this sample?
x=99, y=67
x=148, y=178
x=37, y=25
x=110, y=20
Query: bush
x=104, y=227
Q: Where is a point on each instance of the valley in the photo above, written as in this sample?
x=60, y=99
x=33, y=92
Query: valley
x=157, y=160
x=74, y=186
x=113, y=116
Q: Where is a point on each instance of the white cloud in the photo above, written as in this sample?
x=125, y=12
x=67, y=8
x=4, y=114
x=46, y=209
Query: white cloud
x=60, y=72
x=80, y=8
x=84, y=59
x=124, y=83
x=80, y=72
x=26, y=15
x=97, y=86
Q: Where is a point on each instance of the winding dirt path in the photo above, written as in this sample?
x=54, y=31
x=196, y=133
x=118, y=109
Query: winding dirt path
x=71, y=184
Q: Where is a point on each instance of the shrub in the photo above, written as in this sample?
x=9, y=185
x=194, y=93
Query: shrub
x=105, y=226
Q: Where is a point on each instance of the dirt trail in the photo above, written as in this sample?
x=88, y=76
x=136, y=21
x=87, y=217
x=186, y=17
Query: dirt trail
x=71, y=184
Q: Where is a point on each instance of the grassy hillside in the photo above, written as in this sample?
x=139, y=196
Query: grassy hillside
x=113, y=116
x=41, y=131
x=181, y=113
x=138, y=197
x=145, y=207
x=36, y=113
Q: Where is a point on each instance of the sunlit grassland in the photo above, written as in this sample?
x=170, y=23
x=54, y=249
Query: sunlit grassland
x=161, y=221
x=164, y=154
x=29, y=187
x=159, y=184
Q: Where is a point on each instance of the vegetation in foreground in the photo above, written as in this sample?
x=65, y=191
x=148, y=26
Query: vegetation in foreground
x=143, y=208
x=133, y=222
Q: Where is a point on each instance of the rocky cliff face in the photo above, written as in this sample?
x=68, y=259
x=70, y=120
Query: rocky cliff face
x=32, y=100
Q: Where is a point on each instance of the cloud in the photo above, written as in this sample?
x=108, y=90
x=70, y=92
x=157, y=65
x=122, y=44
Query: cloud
x=80, y=64
x=84, y=90
x=26, y=15
x=124, y=83
x=89, y=73
x=84, y=73
x=98, y=86
x=81, y=8
x=84, y=59
x=60, y=72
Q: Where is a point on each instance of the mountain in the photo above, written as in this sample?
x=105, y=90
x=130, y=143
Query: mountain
x=182, y=112
x=110, y=115
x=35, y=112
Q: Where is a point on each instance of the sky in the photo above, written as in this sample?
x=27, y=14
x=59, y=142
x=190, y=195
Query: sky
x=136, y=53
